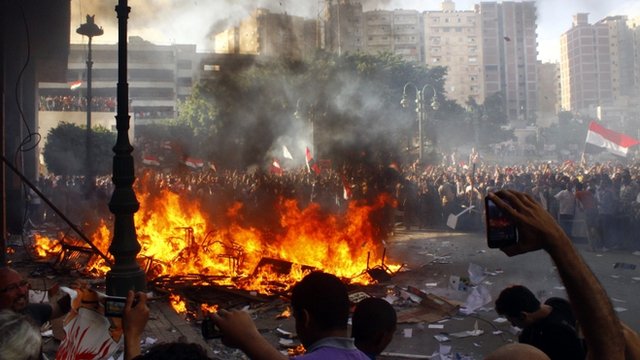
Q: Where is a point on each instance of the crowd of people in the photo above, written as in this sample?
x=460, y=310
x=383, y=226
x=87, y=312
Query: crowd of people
x=98, y=104
x=77, y=103
x=600, y=202
x=541, y=198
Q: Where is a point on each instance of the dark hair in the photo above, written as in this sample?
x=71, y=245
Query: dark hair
x=372, y=316
x=324, y=297
x=516, y=299
x=175, y=351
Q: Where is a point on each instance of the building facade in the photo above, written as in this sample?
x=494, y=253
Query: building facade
x=159, y=76
x=548, y=94
x=269, y=34
x=509, y=56
x=585, y=66
x=453, y=40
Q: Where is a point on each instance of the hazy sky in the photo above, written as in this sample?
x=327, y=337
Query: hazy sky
x=190, y=21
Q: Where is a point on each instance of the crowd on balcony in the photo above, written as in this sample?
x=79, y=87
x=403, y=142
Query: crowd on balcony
x=76, y=103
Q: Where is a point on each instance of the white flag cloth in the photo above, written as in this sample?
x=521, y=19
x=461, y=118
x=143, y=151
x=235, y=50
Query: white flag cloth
x=285, y=153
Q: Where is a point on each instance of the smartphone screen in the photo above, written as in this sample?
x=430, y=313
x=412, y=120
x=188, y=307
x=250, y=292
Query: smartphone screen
x=114, y=306
x=501, y=231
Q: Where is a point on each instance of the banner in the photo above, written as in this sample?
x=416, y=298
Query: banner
x=609, y=140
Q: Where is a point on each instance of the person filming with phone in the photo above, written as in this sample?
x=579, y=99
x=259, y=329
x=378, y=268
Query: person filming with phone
x=606, y=337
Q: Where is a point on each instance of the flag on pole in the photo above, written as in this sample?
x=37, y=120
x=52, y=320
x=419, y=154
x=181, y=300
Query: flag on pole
x=605, y=139
x=74, y=85
x=276, y=168
x=286, y=153
x=311, y=164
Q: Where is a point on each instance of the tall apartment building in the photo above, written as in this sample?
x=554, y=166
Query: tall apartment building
x=269, y=34
x=509, y=56
x=159, y=76
x=453, y=39
x=585, y=66
x=343, y=25
x=621, y=49
x=634, y=25
x=548, y=93
x=398, y=32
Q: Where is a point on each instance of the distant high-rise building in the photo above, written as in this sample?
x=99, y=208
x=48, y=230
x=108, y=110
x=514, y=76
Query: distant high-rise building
x=621, y=49
x=453, y=39
x=509, y=56
x=343, y=26
x=398, y=32
x=585, y=66
x=269, y=34
x=548, y=93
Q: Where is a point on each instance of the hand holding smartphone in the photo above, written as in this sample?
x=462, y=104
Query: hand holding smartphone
x=501, y=230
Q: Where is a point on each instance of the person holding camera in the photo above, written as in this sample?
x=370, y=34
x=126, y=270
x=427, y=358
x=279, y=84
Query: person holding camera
x=320, y=305
x=605, y=335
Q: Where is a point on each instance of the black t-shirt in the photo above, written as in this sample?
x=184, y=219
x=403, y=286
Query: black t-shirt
x=556, y=334
x=40, y=313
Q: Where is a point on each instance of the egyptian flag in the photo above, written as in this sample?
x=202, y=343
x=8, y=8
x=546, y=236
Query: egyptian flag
x=194, y=163
x=311, y=163
x=74, y=85
x=276, y=169
x=601, y=138
x=151, y=160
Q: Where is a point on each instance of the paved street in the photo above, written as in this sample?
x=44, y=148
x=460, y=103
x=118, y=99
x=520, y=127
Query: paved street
x=431, y=258
x=434, y=257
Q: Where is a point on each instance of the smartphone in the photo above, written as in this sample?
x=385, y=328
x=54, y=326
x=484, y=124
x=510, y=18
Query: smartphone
x=501, y=230
x=209, y=329
x=114, y=306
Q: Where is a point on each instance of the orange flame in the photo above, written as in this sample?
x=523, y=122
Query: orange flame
x=177, y=303
x=177, y=236
x=44, y=246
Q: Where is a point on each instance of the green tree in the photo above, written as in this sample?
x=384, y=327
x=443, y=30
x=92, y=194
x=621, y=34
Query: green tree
x=64, y=152
x=353, y=102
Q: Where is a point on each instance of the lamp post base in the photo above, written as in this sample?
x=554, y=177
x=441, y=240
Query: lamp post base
x=119, y=283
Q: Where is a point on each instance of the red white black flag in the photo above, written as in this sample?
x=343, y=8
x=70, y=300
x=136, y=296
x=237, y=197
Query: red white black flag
x=604, y=139
x=311, y=164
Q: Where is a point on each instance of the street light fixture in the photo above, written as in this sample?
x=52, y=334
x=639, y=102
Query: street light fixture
x=420, y=110
x=89, y=29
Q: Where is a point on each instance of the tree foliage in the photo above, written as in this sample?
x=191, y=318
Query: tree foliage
x=352, y=102
x=65, y=150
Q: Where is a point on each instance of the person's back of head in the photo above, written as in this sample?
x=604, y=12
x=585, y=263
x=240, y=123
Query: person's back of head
x=514, y=300
x=517, y=352
x=324, y=298
x=373, y=324
x=175, y=351
x=21, y=339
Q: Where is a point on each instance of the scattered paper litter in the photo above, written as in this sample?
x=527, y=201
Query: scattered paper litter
x=619, y=309
x=500, y=320
x=441, y=337
x=436, y=326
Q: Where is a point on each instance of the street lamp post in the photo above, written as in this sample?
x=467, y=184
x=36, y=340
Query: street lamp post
x=89, y=29
x=421, y=112
x=125, y=274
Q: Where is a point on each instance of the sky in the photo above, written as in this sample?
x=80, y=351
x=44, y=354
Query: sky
x=191, y=21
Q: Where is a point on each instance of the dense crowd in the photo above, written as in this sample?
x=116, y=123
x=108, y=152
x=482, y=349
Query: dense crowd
x=600, y=202
x=76, y=103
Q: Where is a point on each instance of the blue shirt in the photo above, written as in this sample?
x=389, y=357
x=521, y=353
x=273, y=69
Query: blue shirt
x=333, y=348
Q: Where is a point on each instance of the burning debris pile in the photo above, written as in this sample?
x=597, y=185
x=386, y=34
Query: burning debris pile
x=183, y=245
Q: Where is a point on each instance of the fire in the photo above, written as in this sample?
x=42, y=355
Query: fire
x=178, y=304
x=208, y=309
x=44, y=246
x=178, y=237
